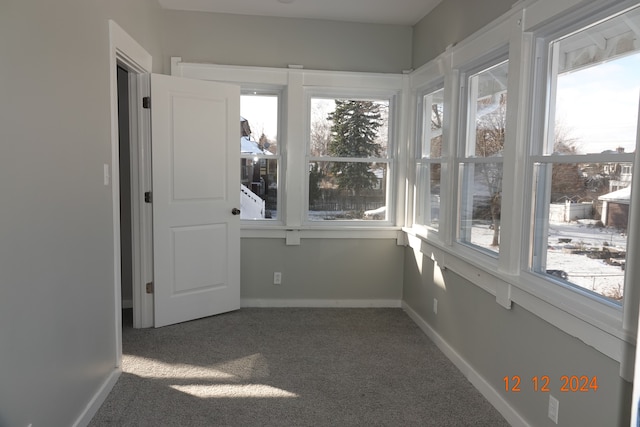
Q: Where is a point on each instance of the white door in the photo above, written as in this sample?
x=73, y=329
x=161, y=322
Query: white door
x=195, y=166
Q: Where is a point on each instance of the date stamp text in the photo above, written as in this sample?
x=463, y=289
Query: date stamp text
x=545, y=384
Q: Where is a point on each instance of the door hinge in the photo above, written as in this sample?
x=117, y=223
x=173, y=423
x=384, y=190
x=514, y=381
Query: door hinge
x=150, y=287
x=147, y=197
x=146, y=102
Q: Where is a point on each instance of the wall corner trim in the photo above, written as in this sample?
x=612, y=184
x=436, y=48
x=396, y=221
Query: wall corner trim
x=98, y=399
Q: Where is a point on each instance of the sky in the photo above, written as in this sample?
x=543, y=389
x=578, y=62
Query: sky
x=262, y=113
x=599, y=105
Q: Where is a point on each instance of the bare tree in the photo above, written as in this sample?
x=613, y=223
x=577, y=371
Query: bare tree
x=320, y=137
x=567, y=181
x=490, y=137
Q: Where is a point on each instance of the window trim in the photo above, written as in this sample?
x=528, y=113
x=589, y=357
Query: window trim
x=279, y=156
x=364, y=94
x=429, y=76
x=603, y=314
x=294, y=82
x=621, y=317
x=421, y=161
x=498, y=56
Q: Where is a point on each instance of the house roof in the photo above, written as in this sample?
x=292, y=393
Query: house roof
x=620, y=196
x=248, y=146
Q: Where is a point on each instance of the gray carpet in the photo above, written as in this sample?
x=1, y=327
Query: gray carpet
x=291, y=367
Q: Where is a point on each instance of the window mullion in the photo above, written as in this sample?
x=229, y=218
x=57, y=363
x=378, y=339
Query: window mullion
x=515, y=154
x=295, y=173
x=631, y=285
x=471, y=101
x=467, y=172
x=449, y=152
x=552, y=96
x=541, y=215
x=584, y=158
x=348, y=159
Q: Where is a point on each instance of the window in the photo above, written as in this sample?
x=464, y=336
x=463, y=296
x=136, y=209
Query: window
x=293, y=180
x=429, y=158
x=259, y=156
x=583, y=164
x=348, y=159
x=480, y=159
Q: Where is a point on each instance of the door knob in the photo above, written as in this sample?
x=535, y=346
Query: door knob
x=235, y=211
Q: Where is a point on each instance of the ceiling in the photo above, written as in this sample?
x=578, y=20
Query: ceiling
x=398, y=12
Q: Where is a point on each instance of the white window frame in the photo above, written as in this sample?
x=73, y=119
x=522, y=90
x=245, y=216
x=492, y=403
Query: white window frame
x=362, y=95
x=435, y=74
x=614, y=318
x=423, y=161
x=466, y=146
x=295, y=82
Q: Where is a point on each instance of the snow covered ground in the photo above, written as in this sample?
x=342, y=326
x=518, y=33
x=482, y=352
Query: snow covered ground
x=335, y=216
x=592, y=274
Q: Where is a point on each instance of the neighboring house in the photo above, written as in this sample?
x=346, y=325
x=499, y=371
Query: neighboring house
x=254, y=173
x=615, y=208
x=615, y=204
x=619, y=174
x=623, y=178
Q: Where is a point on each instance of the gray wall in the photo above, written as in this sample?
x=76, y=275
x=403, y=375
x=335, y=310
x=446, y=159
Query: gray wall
x=498, y=342
x=322, y=269
x=278, y=42
x=57, y=324
x=451, y=22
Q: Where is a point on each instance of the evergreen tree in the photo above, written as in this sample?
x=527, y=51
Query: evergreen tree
x=353, y=134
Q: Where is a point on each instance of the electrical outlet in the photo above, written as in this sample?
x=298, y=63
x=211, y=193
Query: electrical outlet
x=277, y=278
x=554, y=408
x=435, y=306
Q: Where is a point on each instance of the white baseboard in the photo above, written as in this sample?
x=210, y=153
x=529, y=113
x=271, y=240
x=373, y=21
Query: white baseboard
x=98, y=399
x=320, y=303
x=494, y=397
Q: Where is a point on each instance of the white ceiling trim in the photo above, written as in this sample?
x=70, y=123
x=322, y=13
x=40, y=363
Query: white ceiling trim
x=395, y=12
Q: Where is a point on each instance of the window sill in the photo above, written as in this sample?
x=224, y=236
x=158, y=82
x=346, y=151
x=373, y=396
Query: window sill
x=294, y=234
x=596, y=324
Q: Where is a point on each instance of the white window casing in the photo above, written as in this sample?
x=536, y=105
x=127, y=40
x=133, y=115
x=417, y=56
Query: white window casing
x=294, y=84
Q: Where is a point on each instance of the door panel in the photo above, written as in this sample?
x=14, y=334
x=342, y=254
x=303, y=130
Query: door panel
x=195, y=157
x=198, y=165
x=204, y=266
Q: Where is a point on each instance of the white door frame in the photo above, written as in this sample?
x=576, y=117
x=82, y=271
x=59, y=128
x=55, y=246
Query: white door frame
x=125, y=51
